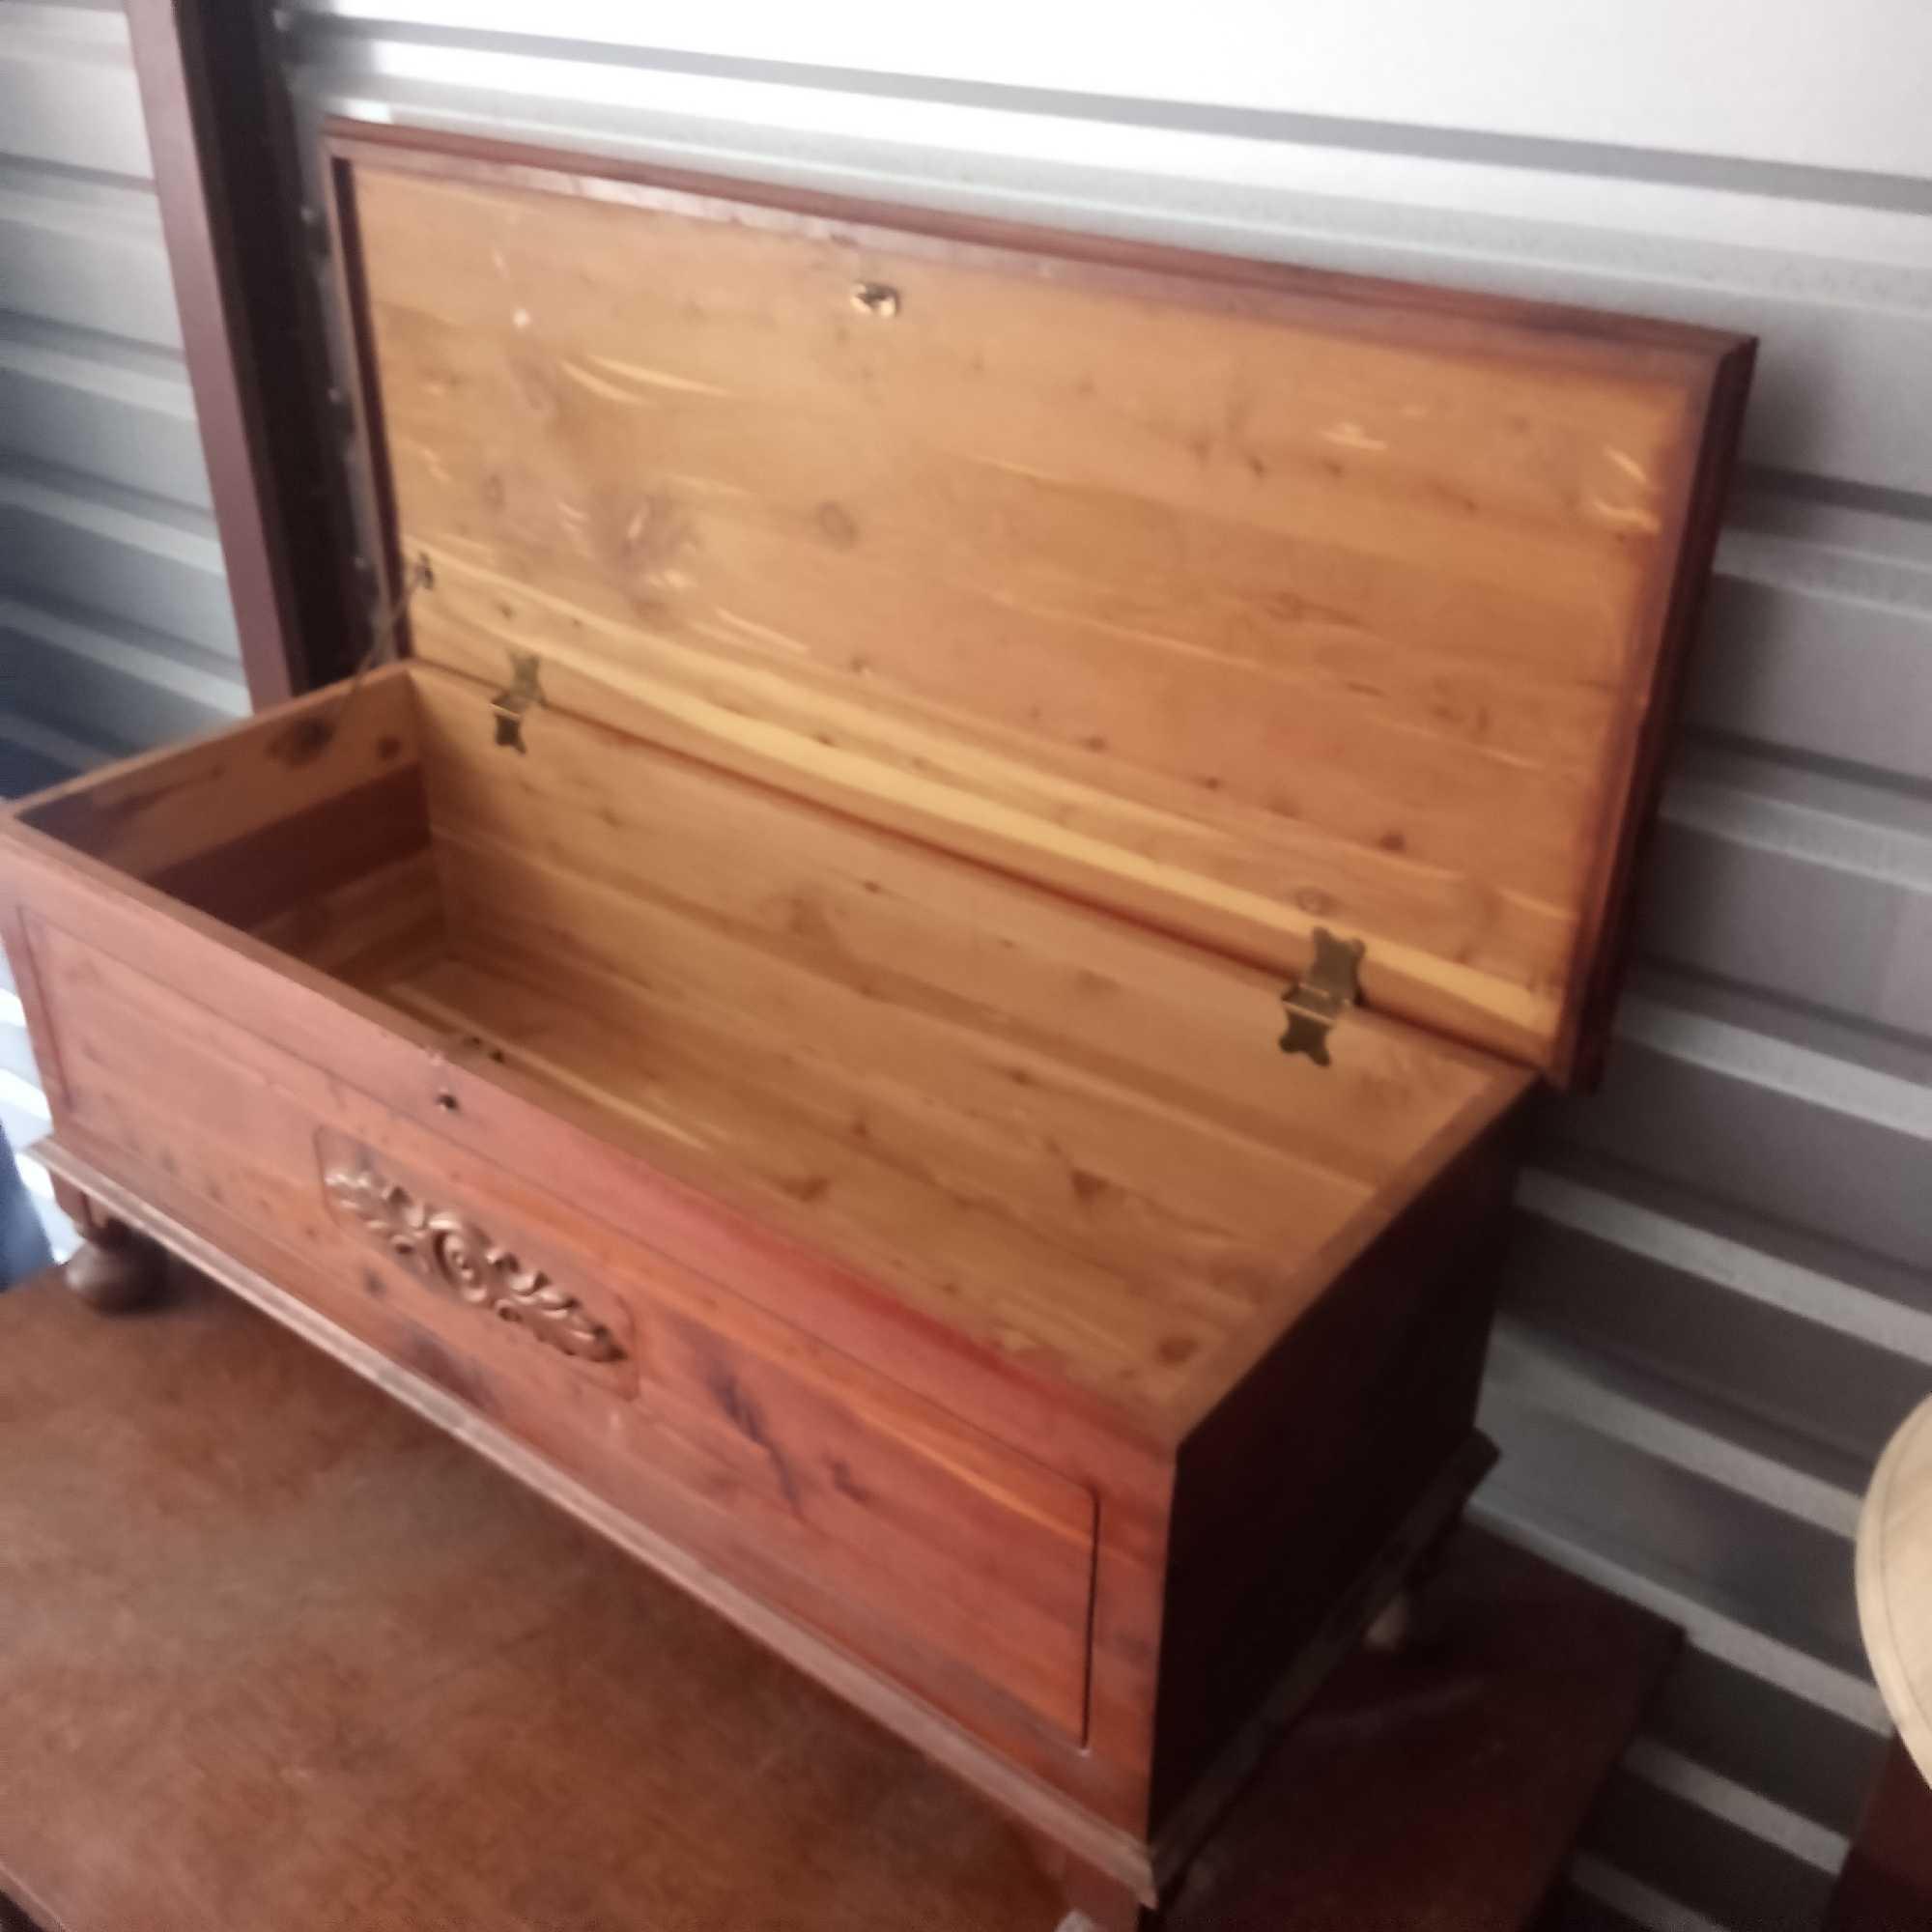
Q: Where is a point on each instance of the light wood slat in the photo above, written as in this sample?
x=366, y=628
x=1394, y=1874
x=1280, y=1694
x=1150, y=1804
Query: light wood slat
x=1176, y=874
x=977, y=596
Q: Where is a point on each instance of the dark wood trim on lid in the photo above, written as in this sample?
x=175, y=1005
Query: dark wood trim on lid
x=222, y=153
x=1649, y=731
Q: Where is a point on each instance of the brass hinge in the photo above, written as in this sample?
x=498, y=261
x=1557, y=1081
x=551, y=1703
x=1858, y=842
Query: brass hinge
x=1319, y=998
x=510, y=703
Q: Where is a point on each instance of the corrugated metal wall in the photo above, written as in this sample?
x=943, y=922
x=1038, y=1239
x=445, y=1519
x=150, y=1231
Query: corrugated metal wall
x=1718, y=1299
x=116, y=629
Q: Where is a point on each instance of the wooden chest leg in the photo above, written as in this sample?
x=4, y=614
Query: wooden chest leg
x=1409, y=1620
x=114, y=1268
x=1123, y=1913
x=1095, y=1901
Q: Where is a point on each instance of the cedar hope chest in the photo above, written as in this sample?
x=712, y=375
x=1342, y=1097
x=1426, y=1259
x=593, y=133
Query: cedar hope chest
x=768, y=1018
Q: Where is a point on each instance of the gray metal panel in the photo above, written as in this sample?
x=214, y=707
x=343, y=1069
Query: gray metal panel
x=1733, y=1864
x=101, y=409
x=1741, y=846
x=1753, y=1120
x=115, y=682
x=84, y=257
x=1817, y=638
x=67, y=539
x=68, y=93
x=116, y=629
x=1813, y=1763
x=1807, y=1355
x=1640, y=75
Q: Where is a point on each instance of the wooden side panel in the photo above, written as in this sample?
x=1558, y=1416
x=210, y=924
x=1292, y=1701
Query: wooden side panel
x=1286, y=1492
x=931, y=1548
x=1243, y=607
x=161, y=815
x=269, y=824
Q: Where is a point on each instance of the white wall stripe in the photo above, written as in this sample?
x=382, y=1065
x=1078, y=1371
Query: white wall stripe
x=1820, y=92
x=22, y=1094
x=1644, y=1905
x=1562, y=1380
x=57, y=748
x=1805, y=1293
x=1724, y=1798
x=1820, y=1079
x=1723, y=1636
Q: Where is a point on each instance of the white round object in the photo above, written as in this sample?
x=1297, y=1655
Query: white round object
x=1895, y=1570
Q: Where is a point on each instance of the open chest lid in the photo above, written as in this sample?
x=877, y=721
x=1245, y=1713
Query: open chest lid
x=1240, y=600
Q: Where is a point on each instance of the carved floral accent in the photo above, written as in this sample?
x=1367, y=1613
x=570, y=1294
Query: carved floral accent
x=452, y=1253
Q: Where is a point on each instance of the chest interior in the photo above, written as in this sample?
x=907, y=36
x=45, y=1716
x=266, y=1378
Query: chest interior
x=1034, y=1117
